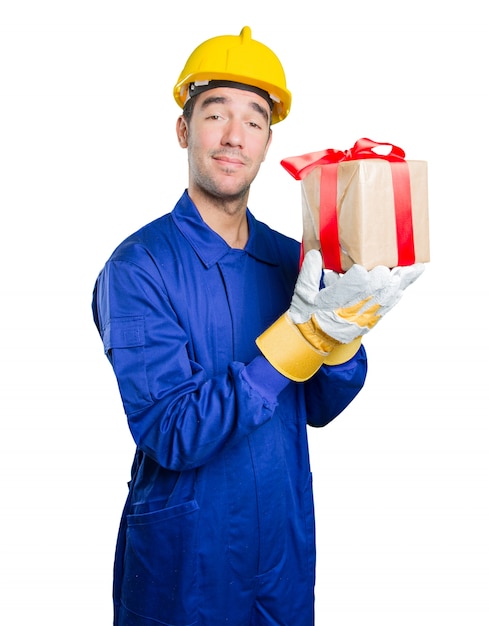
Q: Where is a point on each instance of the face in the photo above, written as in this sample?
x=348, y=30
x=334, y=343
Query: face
x=227, y=139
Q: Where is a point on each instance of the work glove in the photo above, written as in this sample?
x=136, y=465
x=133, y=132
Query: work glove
x=327, y=325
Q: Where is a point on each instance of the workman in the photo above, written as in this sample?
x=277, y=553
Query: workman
x=223, y=354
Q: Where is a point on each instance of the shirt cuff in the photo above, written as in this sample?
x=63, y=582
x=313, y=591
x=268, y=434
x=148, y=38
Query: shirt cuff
x=264, y=379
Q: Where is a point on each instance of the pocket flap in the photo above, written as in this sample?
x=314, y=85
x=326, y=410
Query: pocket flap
x=124, y=332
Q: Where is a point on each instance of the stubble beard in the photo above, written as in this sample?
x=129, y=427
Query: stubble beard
x=229, y=202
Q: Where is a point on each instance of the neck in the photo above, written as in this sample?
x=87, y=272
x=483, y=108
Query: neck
x=232, y=228
x=227, y=218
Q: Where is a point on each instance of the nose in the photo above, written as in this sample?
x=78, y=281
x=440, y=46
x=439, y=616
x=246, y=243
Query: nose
x=233, y=134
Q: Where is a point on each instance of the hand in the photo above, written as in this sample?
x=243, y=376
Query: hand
x=285, y=343
x=350, y=305
x=303, y=305
x=326, y=325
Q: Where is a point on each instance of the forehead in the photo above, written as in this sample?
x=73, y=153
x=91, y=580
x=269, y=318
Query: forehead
x=234, y=98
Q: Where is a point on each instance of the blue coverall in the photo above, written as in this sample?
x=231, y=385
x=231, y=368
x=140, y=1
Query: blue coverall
x=218, y=528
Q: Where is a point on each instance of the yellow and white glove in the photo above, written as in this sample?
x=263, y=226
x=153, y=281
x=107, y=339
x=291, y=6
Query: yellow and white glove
x=326, y=325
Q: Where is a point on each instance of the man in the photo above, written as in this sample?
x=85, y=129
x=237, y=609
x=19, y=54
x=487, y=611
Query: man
x=222, y=357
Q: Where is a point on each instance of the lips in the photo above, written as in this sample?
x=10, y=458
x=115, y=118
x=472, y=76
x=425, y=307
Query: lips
x=232, y=160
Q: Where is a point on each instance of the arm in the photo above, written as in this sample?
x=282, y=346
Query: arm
x=177, y=414
x=331, y=390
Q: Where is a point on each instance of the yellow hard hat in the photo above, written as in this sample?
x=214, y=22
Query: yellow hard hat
x=238, y=59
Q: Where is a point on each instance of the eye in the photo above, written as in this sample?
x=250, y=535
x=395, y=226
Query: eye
x=256, y=125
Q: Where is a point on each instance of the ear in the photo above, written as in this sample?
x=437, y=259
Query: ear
x=182, y=132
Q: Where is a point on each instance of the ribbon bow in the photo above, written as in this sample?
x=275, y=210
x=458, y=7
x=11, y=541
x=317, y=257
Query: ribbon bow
x=300, y=166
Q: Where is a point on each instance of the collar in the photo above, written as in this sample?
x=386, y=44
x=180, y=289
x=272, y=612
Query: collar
x=211, y=247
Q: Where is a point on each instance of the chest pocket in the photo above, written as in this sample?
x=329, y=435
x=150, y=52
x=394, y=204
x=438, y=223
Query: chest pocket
x=124, y=345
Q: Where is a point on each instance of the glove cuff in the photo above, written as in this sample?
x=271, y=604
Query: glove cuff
x=343, y=352
x=284, y=346
x=316, y=336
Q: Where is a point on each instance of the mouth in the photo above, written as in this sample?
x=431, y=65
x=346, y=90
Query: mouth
x=228, y=160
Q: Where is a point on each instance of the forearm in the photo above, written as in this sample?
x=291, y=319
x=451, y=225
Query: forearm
x=190, y=424
x=333, y=388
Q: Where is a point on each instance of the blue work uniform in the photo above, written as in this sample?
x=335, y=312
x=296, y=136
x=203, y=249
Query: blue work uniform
x=218, y=527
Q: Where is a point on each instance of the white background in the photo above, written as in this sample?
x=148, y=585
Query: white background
x=88, y=154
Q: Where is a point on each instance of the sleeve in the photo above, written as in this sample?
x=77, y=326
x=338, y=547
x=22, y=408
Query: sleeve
x=177, y=414
x=333, y=388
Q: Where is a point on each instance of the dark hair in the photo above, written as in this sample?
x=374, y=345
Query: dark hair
x=188, y=108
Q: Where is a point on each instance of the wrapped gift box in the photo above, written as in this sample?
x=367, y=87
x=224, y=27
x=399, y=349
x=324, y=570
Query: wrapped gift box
x=362, y=207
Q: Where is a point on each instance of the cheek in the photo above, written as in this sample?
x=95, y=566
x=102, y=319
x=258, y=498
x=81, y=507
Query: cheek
x=261, y=155
x=200, y=146
x=264, y=150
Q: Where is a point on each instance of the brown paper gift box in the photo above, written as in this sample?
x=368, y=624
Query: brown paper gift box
x=365, y=211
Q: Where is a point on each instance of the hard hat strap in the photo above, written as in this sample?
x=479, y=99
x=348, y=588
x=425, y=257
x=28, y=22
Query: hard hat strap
x=200, y=86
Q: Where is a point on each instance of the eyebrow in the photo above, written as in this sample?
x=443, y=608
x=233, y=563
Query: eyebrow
x=223, y=100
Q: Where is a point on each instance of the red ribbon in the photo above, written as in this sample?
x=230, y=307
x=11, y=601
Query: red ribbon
x=300, y=166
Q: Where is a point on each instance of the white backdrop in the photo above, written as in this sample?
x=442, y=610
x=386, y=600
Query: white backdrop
x=88, y=154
